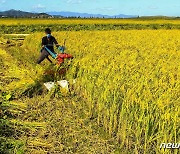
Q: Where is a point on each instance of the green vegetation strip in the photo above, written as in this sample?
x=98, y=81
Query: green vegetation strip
x=8, y=29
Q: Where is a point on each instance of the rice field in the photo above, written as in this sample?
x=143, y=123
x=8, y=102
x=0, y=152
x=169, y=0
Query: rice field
x=86, y=21
x=127, y=88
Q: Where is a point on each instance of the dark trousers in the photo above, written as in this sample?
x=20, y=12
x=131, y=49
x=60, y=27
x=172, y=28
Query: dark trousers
x=44, y=54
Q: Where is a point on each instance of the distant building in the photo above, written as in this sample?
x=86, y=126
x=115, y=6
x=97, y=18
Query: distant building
x=3, y=16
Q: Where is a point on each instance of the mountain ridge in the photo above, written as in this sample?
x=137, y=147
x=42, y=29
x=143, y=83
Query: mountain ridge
x=88, y=15
x=19, y=13
x=65, y=14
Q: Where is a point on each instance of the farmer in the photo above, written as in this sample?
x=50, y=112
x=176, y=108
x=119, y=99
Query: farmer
x=47, y=41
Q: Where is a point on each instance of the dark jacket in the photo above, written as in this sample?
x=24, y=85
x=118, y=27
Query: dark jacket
x=49, y=42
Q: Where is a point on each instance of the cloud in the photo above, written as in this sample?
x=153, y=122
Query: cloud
x=2, y=1
x=39, y=6
x=74, y=1
x=104, y=9
x=153, y=7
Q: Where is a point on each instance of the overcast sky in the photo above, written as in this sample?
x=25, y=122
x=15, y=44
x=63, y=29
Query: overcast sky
x=106, y=7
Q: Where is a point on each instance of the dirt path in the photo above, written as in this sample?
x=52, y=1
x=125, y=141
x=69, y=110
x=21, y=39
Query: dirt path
x=16, y=34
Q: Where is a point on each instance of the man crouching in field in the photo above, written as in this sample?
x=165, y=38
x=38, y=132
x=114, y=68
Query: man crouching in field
x=47, y=41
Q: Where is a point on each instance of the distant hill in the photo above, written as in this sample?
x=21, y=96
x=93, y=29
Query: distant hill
x=22, y=14
x=87, y=15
